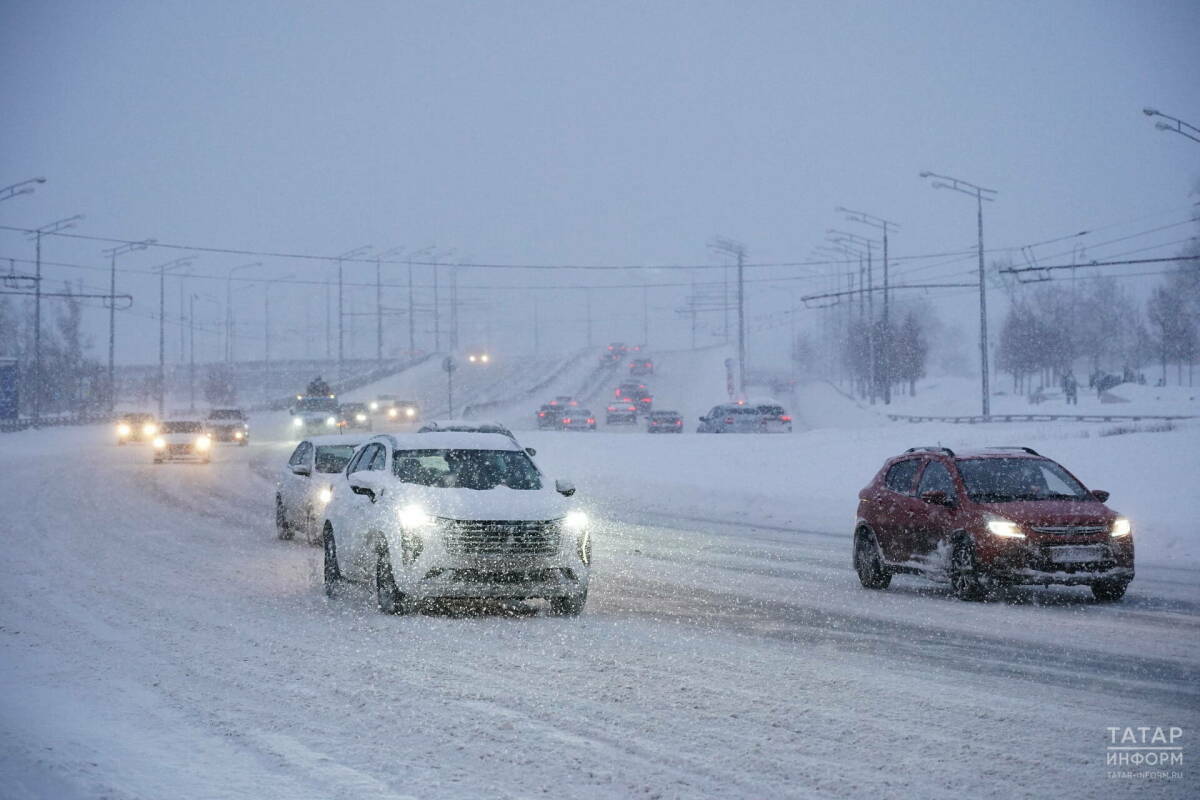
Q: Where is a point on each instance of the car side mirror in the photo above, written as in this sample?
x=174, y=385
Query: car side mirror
x=365, y=483
x=936, y=497
x=1100, y=495
x=704, y=419
x=565, y=488
x=301, y=469
x=531, y=452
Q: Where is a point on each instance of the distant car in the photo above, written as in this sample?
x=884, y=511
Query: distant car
x=745, y=418
x=315, y=414
x=987, y=518
x=615, y=352
x=136, y=427
x=229, y=425
x=550, y=416
x=354, y=416
x=304, y=484
x=470, y=426
x=637, y=393
x=401, y=411
x=564, y=400
x=579, y=419
x=479, y=357
x=773, y=419
x=664, y=422
x=182, y=439
x=641, y=366
x=448, y=515
x=621, y=412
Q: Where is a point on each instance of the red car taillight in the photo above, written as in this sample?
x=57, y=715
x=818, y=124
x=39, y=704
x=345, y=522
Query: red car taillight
x=679, y=422
x=567, y=420
x=541, y=413
x=646, y=399
x=591, y=420
x=785, y=418
x=729, y=420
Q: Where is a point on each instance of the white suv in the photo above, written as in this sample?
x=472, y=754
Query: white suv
x=455, y=515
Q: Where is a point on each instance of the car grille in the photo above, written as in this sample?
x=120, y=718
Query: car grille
x=1070, y=530
x=500, y=538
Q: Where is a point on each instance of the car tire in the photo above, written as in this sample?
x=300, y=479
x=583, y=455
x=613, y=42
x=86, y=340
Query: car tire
x=1109, y=591
x=569, y=606
x=965, y=579
x=330, y=574
x=868, y=562
x=388, y=596
x=243, y=442
x=282, y=529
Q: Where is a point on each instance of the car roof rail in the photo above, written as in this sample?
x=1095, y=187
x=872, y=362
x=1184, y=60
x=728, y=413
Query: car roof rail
x=933, y=448
x=1022, y=448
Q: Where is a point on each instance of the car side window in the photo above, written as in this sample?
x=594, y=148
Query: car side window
x=353, y=466
x=936, y=478
x=901, y=475
x=298, y=455
x=377, y=459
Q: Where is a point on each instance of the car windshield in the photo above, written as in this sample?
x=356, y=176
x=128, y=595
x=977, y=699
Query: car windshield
x=664, y=415
x=138, y=418
x=771, y=411
x=1003, y=480
x=466, y=469
x=226, y=413
x=316, y=404
x=333, y=458
x=182, y=427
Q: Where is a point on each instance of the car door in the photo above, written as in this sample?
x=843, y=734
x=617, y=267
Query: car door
x=294, y=487
x=363, y=509
x=934, y=521
x=343, y=509
x=891, y=507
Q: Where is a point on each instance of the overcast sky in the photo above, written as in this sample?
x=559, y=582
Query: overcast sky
x=580, y=133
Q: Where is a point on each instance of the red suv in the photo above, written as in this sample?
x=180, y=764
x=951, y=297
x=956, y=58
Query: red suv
x=983, y=519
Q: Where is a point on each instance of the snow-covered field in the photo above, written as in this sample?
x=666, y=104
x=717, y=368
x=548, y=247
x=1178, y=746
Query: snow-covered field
x=157, y=640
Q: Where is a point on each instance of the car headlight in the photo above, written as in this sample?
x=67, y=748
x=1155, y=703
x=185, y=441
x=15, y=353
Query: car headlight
x=297, y=422
x=149, y=429
x=997, y=526
x=238, y=434
x=1120, y=527
x=392, y=412
x=159, y=443
x=484, y=358
x=410, y=412
x=331, y=421
x=575, y=520
x=360, y=417
x=123, y=430
x=203, y=442
x=413, y=517
x=374, y=406
x=325, y=495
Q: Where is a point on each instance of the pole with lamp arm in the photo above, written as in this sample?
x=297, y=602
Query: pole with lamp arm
x=884, y=225
x=112, y=253
x=341, y=318
x=162, y=270
x=53, y=227
x=229, y=324
x=267, y=335
x=21, y=187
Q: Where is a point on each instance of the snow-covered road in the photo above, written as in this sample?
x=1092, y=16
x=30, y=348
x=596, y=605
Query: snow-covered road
x=157, y=641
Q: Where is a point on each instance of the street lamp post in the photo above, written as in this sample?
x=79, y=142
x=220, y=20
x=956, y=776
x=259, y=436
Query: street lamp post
x=355, y=253
x=229, y=324
x=267, y=335
x=112, y=253
x=1179, y=125
x=437, y=306
x=379, y=257
x=163, y=269
x=23, y=187
x=412, y=311
x=739, y=250
x=883, y=225
x=980, y=194
x=848, y=241
x=53, y=227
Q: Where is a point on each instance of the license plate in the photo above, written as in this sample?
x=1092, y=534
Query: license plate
x=1077, y=555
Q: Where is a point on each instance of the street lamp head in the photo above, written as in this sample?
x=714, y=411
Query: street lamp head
x=39, y=180
x=1150, y=112
x=1162, y=126
x=925, y=173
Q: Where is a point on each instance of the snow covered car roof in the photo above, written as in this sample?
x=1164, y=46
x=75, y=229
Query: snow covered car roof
x=463, y=426
x=437, y=440
x=335, y=438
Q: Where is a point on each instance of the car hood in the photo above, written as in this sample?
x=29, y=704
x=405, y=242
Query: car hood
x=500, y=503
x=1053, y=512
x=181, y=438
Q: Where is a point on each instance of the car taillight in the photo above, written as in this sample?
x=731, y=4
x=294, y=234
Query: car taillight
x=678, y=422
x=729, y=420
x=645, y=399
x=591, y=420
x=785, y=418
x=567, y=420
x=541, y=413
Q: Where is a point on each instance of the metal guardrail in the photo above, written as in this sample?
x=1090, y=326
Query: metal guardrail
x=13, y=425
x=978, y=419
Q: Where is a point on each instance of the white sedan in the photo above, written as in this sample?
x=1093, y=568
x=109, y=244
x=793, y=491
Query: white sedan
x=455, y=515
x=182, y=439
x=304, y=486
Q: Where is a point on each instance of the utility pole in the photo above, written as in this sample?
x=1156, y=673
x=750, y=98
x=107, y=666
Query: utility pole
x=379, y=257
x=53, y=227
x=645, y=317
x=537, y=333
x=980, y=194
x=847, y=242
x=355, y=253
x=328, y=321
x=162, y=331
x=454, y=308
x=192, y=352
x=587, y=297
x=885, y=226
x=229, y=326
x=739, y=250
x=112, y=253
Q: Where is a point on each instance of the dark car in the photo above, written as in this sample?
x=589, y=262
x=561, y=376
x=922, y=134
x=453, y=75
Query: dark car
x=664, y=422
x=637, y=393
x=136, y=427
x=621, y=412
x=615, y=352
x=641, y=366
x=773, y=419
x=228, y=425
x=354, y=416
x=578, y=419
x=984, y=519
x=550, y=416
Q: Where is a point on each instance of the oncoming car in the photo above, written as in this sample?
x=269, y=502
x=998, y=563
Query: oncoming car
x=455, y=515
x=983, y=519
x=136, y=427
x=179, y=439
x=229, y=425
x=303, y=487
x=398, y=411
x=315, y=414
x=354, y=416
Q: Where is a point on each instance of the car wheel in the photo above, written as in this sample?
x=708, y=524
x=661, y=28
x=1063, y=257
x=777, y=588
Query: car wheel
x=868, y=563
x=243, y=442
x=282, y=529
x=570, y=606
x=388, y=596
x=1109, y=591
x=965, y=578
x=330, y=573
